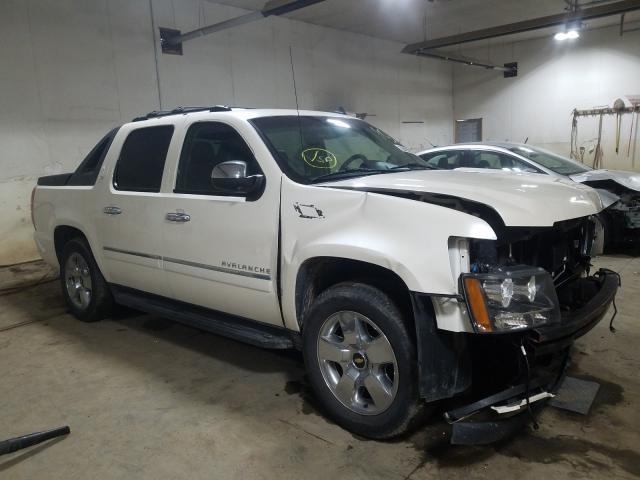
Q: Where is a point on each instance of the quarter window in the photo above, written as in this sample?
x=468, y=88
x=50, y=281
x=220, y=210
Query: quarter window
x=206, y=145
x=141, y=162
x=95, y=156
x=87, y=172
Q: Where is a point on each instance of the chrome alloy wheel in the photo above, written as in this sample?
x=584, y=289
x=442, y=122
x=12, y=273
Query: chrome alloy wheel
x=78, y=280
x=357, y=363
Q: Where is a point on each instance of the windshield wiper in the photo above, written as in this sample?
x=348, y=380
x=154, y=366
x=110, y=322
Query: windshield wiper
x=348, y=173
x=371, y=171
x=415, y=166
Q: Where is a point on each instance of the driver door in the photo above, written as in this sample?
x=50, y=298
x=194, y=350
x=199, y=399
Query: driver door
x=220, y=251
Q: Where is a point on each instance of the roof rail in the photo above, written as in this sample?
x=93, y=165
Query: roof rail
x=181, y=110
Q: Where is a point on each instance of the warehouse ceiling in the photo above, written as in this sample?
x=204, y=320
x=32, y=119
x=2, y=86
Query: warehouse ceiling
x=409, y=21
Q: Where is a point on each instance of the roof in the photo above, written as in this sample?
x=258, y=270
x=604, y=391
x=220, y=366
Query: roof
x=245, y=113
x=502, y=145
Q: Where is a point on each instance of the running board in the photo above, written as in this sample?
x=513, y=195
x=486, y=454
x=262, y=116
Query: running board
x=236, y=328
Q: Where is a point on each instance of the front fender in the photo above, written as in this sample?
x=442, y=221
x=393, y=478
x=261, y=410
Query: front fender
x=408, y=237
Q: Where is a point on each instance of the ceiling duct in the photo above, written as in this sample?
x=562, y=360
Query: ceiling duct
x=171, y=40
x=428, y=48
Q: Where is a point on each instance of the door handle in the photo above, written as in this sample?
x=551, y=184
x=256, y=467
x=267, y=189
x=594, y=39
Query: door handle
x=112, y=210
x=179, y=217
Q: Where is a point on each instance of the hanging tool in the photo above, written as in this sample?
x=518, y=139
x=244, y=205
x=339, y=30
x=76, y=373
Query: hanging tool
x=618, y=128
x=635, y=140
x=631, y=131
x=597, y=157
x=574, y=135
x=619, y=107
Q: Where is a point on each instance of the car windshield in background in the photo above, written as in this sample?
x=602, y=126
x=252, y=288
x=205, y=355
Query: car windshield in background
x=313, y=149
x=550, y=160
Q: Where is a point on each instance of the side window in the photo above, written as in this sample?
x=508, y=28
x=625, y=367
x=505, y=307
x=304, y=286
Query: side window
x=87, y=172
x=490, y=160
x=518, y=165
x=432, y=158
x=141, y=161
x=206, y=145
x=91, y=161
x=501, y=161
x=447, y=160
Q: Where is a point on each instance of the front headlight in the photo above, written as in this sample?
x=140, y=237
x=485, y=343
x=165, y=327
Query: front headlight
x=510, y=299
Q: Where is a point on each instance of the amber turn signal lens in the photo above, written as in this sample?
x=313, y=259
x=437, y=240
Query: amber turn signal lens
x=477, y=304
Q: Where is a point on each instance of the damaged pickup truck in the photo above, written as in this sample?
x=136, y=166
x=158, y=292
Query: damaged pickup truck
x=401, y=284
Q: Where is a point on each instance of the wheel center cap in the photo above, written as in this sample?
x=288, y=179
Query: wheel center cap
x=359, y=360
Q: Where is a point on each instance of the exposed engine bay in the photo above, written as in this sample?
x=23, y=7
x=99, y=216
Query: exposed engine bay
x=563, y=250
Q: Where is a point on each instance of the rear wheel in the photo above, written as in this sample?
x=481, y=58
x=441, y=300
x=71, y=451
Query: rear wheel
x=361, y=360
x=84, y=288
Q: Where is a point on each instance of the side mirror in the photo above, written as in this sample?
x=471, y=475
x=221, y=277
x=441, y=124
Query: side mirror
x=231, y=178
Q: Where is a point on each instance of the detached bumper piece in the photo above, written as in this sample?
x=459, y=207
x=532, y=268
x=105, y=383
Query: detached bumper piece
x=498, y=416
x=487, y=432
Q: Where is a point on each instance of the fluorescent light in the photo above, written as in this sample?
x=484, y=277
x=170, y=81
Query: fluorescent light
x=569, y=35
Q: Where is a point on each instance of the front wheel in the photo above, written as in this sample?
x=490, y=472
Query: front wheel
x=361, y=361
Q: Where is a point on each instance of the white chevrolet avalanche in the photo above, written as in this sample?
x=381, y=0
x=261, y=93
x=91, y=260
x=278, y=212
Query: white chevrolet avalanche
x=401, y=284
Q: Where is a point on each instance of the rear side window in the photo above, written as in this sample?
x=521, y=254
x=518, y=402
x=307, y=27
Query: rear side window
x=141, y=161
x=501, y=161
x=87, y=173
x=206, y=145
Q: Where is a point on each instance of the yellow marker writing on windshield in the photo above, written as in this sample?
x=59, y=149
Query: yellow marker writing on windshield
x=319, y=158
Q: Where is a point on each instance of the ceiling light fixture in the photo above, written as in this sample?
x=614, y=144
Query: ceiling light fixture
x=570, y=32
x=570, y=35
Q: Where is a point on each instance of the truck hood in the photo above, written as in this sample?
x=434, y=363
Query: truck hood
x=629, y=180
x=521, y=199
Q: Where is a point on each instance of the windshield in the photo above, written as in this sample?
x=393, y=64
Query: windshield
x=550, y=160
x=312, y=149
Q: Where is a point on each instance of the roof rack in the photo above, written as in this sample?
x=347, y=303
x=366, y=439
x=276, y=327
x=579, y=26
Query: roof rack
x=181, y=110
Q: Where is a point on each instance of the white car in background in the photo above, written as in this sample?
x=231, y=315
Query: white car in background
x=619, y=190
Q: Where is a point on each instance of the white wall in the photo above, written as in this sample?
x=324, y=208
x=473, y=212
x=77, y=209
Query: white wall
x=553, y=79
x=72, y=69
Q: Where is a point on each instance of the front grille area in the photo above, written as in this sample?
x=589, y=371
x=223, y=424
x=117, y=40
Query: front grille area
x=562, y=250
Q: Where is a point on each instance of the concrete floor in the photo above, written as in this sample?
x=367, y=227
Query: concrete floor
x=147, y=398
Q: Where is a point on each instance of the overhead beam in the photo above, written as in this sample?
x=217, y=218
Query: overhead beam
x=465, y=60
x=271, y=8
x=605, y=10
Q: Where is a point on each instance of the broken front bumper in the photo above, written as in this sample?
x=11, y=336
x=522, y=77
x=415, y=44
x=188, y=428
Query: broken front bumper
x=576, y=323
x=495, y=409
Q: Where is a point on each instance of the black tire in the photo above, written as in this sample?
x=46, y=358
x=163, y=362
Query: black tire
x=406, y=408
x=101, y=300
